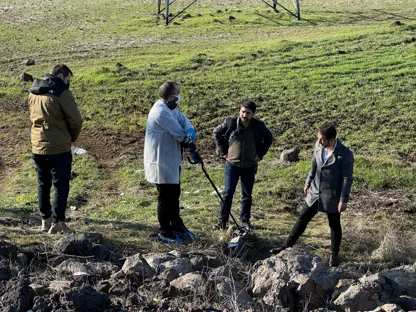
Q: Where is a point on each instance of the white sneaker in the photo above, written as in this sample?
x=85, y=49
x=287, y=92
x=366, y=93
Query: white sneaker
x=60, y=227
x=46, y=224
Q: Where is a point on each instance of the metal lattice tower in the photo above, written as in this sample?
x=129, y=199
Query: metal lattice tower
x=274, y=5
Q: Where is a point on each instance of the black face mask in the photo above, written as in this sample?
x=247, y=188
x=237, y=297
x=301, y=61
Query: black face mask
x=172, y=105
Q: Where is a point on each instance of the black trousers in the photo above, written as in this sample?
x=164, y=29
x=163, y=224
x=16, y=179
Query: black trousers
x=53, y=170
x=168, y=209
x=334, y=220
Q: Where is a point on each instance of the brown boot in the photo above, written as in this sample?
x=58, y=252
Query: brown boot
x=60, y=227
x=46, y=224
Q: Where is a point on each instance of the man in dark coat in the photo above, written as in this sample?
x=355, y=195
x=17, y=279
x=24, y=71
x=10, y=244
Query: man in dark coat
x=242, y=141
x=327, y=189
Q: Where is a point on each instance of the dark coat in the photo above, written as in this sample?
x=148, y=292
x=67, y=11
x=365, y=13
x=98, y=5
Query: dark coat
x=330, y=182
x=226, y=132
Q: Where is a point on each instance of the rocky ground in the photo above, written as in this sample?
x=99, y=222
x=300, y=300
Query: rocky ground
x=80, y=274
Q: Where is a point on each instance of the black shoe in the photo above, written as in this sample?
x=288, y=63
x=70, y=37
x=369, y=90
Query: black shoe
x=218, y=226
x=277, y=250
x=334, y=260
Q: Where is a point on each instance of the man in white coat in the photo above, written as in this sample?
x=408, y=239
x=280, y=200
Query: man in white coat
x=166, y=129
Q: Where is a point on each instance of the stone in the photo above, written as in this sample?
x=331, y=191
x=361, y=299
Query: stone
x=405, y=281
x=180, y=265
x=231, y=18
x=407, y=303
x=190, y=283
x=137, y=264
x=204, y=262
x=225, y=270
x=396, y=23
x=101, y=252
x=5, y=271
x=389, y=307
x=72, y=266
x=6, y=249
x=26, y=77
x=291, y=155
x=88, y=299
x=293, y=271
x=368, y=293
x=155, y=259
x=29, y=62
x=218, y=11
x=60, y=286
x=229, y=290
x=169, y=275
x=74, y=244
x=18, y=296
x=102, y=269
x=39, y=289
x=103, y=286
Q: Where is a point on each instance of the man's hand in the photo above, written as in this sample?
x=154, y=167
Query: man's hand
x=225, y=156
x=342, y=206
x=306, y=190
x=190, y=135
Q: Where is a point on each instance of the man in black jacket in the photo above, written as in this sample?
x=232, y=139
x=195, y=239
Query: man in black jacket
x=242, y=141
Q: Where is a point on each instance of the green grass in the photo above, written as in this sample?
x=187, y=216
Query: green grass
x=342, y=63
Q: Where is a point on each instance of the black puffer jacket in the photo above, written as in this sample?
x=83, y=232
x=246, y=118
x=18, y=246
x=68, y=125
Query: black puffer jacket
x=226, y=132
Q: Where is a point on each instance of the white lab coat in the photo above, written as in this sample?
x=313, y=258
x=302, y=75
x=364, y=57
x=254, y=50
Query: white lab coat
x=165, y=130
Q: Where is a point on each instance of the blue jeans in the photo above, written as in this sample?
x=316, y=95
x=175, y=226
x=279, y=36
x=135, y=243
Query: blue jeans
x=53, y=170
x=231, y=175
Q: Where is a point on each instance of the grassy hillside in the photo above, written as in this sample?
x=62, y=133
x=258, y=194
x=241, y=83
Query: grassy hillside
x=342, y=63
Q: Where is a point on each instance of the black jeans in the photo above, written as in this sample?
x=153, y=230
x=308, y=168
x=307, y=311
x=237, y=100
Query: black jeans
x=53, y=170
x=334, y=220
x=168, y=209
x=231, y=176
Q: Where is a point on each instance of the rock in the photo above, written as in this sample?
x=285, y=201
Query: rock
x=290, y=155
x=60, y=286
x=54, y=262
x=40, y=305
x=190, y=283
x=218, y=11
x=93, y=237
x=133, y=300
x=293, y=271
x=180, y=265
x=231, y=18
x=225, y=270
x=233, y=290
x=39, y=289
x=29, y=62
x=169, y=275
x=204, y=262
x=89, y=300
x=26, y=77
x=186, y=16
x=5, y=272
x=389, y=307
x=72, y=266
x=396, y=23
x=341, y=286
x=155, y=259
x=407, y=303
x=103, y=286
x=6, y=249
x=18, y=296
x=74, y=244
x=102, y=269
x=119, y=65
x=405, y=281
x=368, y=293
x=21, y=261
x=101, y=252
x=137, y=264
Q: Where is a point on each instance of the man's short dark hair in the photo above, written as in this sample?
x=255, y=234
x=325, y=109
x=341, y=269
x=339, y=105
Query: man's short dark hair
x=250, y=105
x=61, y=69
x=167, y=89
x=328, y=131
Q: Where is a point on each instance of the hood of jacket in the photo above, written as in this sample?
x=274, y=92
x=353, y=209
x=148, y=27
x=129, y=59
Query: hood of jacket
x=48, y=85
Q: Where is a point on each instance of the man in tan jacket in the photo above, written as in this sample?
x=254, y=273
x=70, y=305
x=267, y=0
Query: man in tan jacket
x=56, y=122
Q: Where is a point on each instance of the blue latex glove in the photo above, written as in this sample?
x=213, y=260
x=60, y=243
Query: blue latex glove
x=190, y=135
